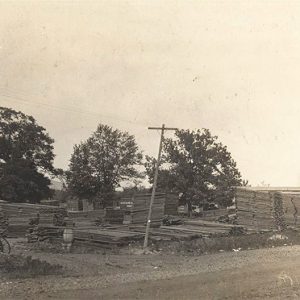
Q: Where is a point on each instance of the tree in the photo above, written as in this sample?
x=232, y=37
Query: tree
x=21, y=182
x=102, y=162
x=26, y=155
x=198, y=167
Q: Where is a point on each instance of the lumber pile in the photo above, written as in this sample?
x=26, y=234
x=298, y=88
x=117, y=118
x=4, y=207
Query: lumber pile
x=114, y=216
x=20, y=215
x=291, y=208
x=167, y=233
x=212, y=228
x=171, y=204
x=87, y=218
x=268, y=209
x=214, y=214
x=106, y=237
x=255, y=209
x=140, y=209
x=39, y=233
x=191, y=229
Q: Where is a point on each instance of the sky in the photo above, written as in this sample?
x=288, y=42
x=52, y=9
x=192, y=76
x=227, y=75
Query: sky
x=230, y=66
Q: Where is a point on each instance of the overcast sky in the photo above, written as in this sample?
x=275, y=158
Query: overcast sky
x=232, y=67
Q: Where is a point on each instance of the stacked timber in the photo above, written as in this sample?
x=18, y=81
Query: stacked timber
x=214, y=214
x=20, y=216
x=139, y=211
x=191, y=229
x=106, y=237
x=171, y=204
x=87, y=218
x=291, y=208
x=114, y=216
x=167, y=233
x=212, y=228
x=52, y=216
x=42, y=233
x=255, y=209
x=279, y=217
x=272, y=207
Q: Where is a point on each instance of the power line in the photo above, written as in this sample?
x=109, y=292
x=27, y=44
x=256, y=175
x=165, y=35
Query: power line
x=17, y=98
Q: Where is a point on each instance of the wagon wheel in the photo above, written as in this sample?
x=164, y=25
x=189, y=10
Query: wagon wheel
x=4, y=245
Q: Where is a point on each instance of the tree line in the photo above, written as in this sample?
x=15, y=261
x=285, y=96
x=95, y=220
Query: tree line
x=195, y=164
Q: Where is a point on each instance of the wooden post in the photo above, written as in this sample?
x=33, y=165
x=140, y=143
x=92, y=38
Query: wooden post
x=163, y=128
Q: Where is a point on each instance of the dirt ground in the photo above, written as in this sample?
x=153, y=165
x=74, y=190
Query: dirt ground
x=253, y=274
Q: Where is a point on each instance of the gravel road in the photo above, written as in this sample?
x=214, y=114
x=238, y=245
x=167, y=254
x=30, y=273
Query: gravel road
x=234, y=275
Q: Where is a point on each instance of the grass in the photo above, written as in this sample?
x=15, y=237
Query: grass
x=18, y=266
x=229, y=243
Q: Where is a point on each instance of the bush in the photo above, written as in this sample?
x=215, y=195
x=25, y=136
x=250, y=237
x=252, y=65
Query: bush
x=17, y=266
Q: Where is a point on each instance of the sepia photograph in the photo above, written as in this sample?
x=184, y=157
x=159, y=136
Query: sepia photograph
x=149, y=149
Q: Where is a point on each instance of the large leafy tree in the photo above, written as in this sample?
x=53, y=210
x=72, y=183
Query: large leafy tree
x=102, y=162
x=26, y=155
x=198, y=167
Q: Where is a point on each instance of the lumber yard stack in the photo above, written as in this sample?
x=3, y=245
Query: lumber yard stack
x=268, y=208
x=291, y=208
x=191, y=229
x=87, y=218
x=171, y=204
x=106, y=237
x=41, y=233
x=114, y=216
x=214, y=214
x=140, y=209
x=255, y=209
x=21, y=215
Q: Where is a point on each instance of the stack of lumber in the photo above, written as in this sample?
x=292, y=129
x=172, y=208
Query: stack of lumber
x=21, y=214
x=87, y=218
x=167, y=233
x=171, y=204
x=211, y=228
x=38, y=233
x=291, y=208
x=106, y=237
x=140, y=209
x=214, y=214
x=255, y=209
x=50, y=202
x=114, y=216
x=268, y=207
x=191, y=229
x=52, y=216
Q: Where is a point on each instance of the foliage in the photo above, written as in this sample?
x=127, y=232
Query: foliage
x=22, y=137
x=17, y=266
x=26, y=153
x=21, y=182
x=99, y=164
x=196, y=165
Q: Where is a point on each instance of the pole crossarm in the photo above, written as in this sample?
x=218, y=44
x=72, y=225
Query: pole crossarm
x=162, y=128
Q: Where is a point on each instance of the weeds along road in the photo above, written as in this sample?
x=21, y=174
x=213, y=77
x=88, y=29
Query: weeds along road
x=254, y=274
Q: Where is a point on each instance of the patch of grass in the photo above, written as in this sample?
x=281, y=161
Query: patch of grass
x=17, y=266
x=228, y=243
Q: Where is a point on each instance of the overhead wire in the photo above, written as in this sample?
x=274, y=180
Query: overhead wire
x=16, y=98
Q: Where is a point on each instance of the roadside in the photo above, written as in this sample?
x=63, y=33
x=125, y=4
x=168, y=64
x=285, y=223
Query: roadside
x=136, y=276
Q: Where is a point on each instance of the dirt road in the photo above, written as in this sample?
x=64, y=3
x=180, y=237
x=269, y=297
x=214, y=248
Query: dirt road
x=256, y=274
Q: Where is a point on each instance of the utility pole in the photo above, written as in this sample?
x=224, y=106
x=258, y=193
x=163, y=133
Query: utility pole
x=163, y=128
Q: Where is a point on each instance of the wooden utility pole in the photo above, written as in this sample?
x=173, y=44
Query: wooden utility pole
x=163, y=128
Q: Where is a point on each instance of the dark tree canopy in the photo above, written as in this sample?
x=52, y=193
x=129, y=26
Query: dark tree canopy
x=99, y=164
x=199, y=167
x=26, y=154
x=21, y=182
x=22, y=138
